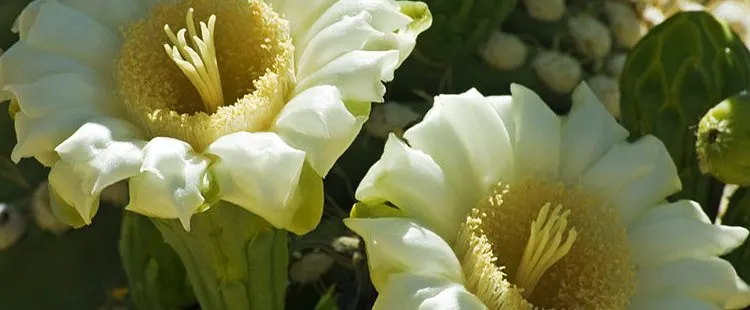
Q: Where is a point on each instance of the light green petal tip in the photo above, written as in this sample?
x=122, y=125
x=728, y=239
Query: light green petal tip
x=309, y=195
x=374, y=210
x=419, y=13
x=13, y=108
x=65, y=212
x=210, y=191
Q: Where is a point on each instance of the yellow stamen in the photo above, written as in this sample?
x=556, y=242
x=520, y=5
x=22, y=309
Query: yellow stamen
x=201, y=67
x=544, y=247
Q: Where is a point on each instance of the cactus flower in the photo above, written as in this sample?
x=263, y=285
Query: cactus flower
x=502, y=204
x=193, y=102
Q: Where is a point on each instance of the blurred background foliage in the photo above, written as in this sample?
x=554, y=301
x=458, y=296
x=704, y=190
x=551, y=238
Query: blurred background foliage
x=654, y=68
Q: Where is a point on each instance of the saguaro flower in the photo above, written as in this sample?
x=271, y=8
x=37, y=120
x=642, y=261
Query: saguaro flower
x=194, y=101
x=501, y=204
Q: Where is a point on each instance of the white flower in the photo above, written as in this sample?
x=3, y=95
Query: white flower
x=504, y=205
x=195, y=101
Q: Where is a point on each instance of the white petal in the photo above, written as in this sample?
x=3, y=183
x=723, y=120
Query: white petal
x=67, y=185
x=588, y=132
x=537, y=142
x=713, y=280
x=468, y=140
x=357, y=74
x=27, y=18
x=114, y=14
x=301, y=14
x=677, y=238
x=24, y=63
x=54, y=93
x=670, y=302
x=64, y=30
x=634, y=177
x=103, y=151
x=413, y=182
x=503, y=106
x=386, y=16
x=38, y=137
x=396, y=245
x=351, y=33
x=317, y=122
x=258, y=172
x=170, y=182
x=682, y=209
x=409, y=291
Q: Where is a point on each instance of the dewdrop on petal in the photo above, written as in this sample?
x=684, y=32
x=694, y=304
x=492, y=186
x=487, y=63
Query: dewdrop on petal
x=560, y=72
x=389, y=117
x=42, y=212
x=624, y=22
x=545, y=10
x=310, y=267
x=608, y=92
x=616, y=63
x=591, y=36
x=12, y=225
x=504, y=51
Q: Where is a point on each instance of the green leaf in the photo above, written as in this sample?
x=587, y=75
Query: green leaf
x=676, y=73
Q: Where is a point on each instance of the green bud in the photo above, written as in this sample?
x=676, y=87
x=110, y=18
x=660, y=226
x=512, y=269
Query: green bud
x=723, y=141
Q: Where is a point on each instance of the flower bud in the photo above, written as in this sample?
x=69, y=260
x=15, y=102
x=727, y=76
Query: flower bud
x=624, y=22
x=42, y=211
x=734, y=13
x=652, y=15
x=310, y=267
x=560, y=72
x=608, y=92
x=616, y=63
x=12, y=225
x=504, y=51
x=590, y=35
x=389, y=117
x=723, y=140
x=545, y=10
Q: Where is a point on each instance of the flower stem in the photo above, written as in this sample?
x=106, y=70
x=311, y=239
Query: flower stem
x=234, y=259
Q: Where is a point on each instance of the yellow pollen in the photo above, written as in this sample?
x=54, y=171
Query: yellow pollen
x=536, y=245
x=544, y=247
x=200, y=67
x=232, y=72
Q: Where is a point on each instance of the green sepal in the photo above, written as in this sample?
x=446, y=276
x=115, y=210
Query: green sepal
x=233, y=258
x=419, y=13
x=677, y=72
x=157, y=277
x=64, y=211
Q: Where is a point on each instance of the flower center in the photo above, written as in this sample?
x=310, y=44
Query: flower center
x=561, y=247
x=230, y=72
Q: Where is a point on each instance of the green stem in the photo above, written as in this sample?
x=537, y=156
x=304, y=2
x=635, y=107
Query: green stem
x=234, y=259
